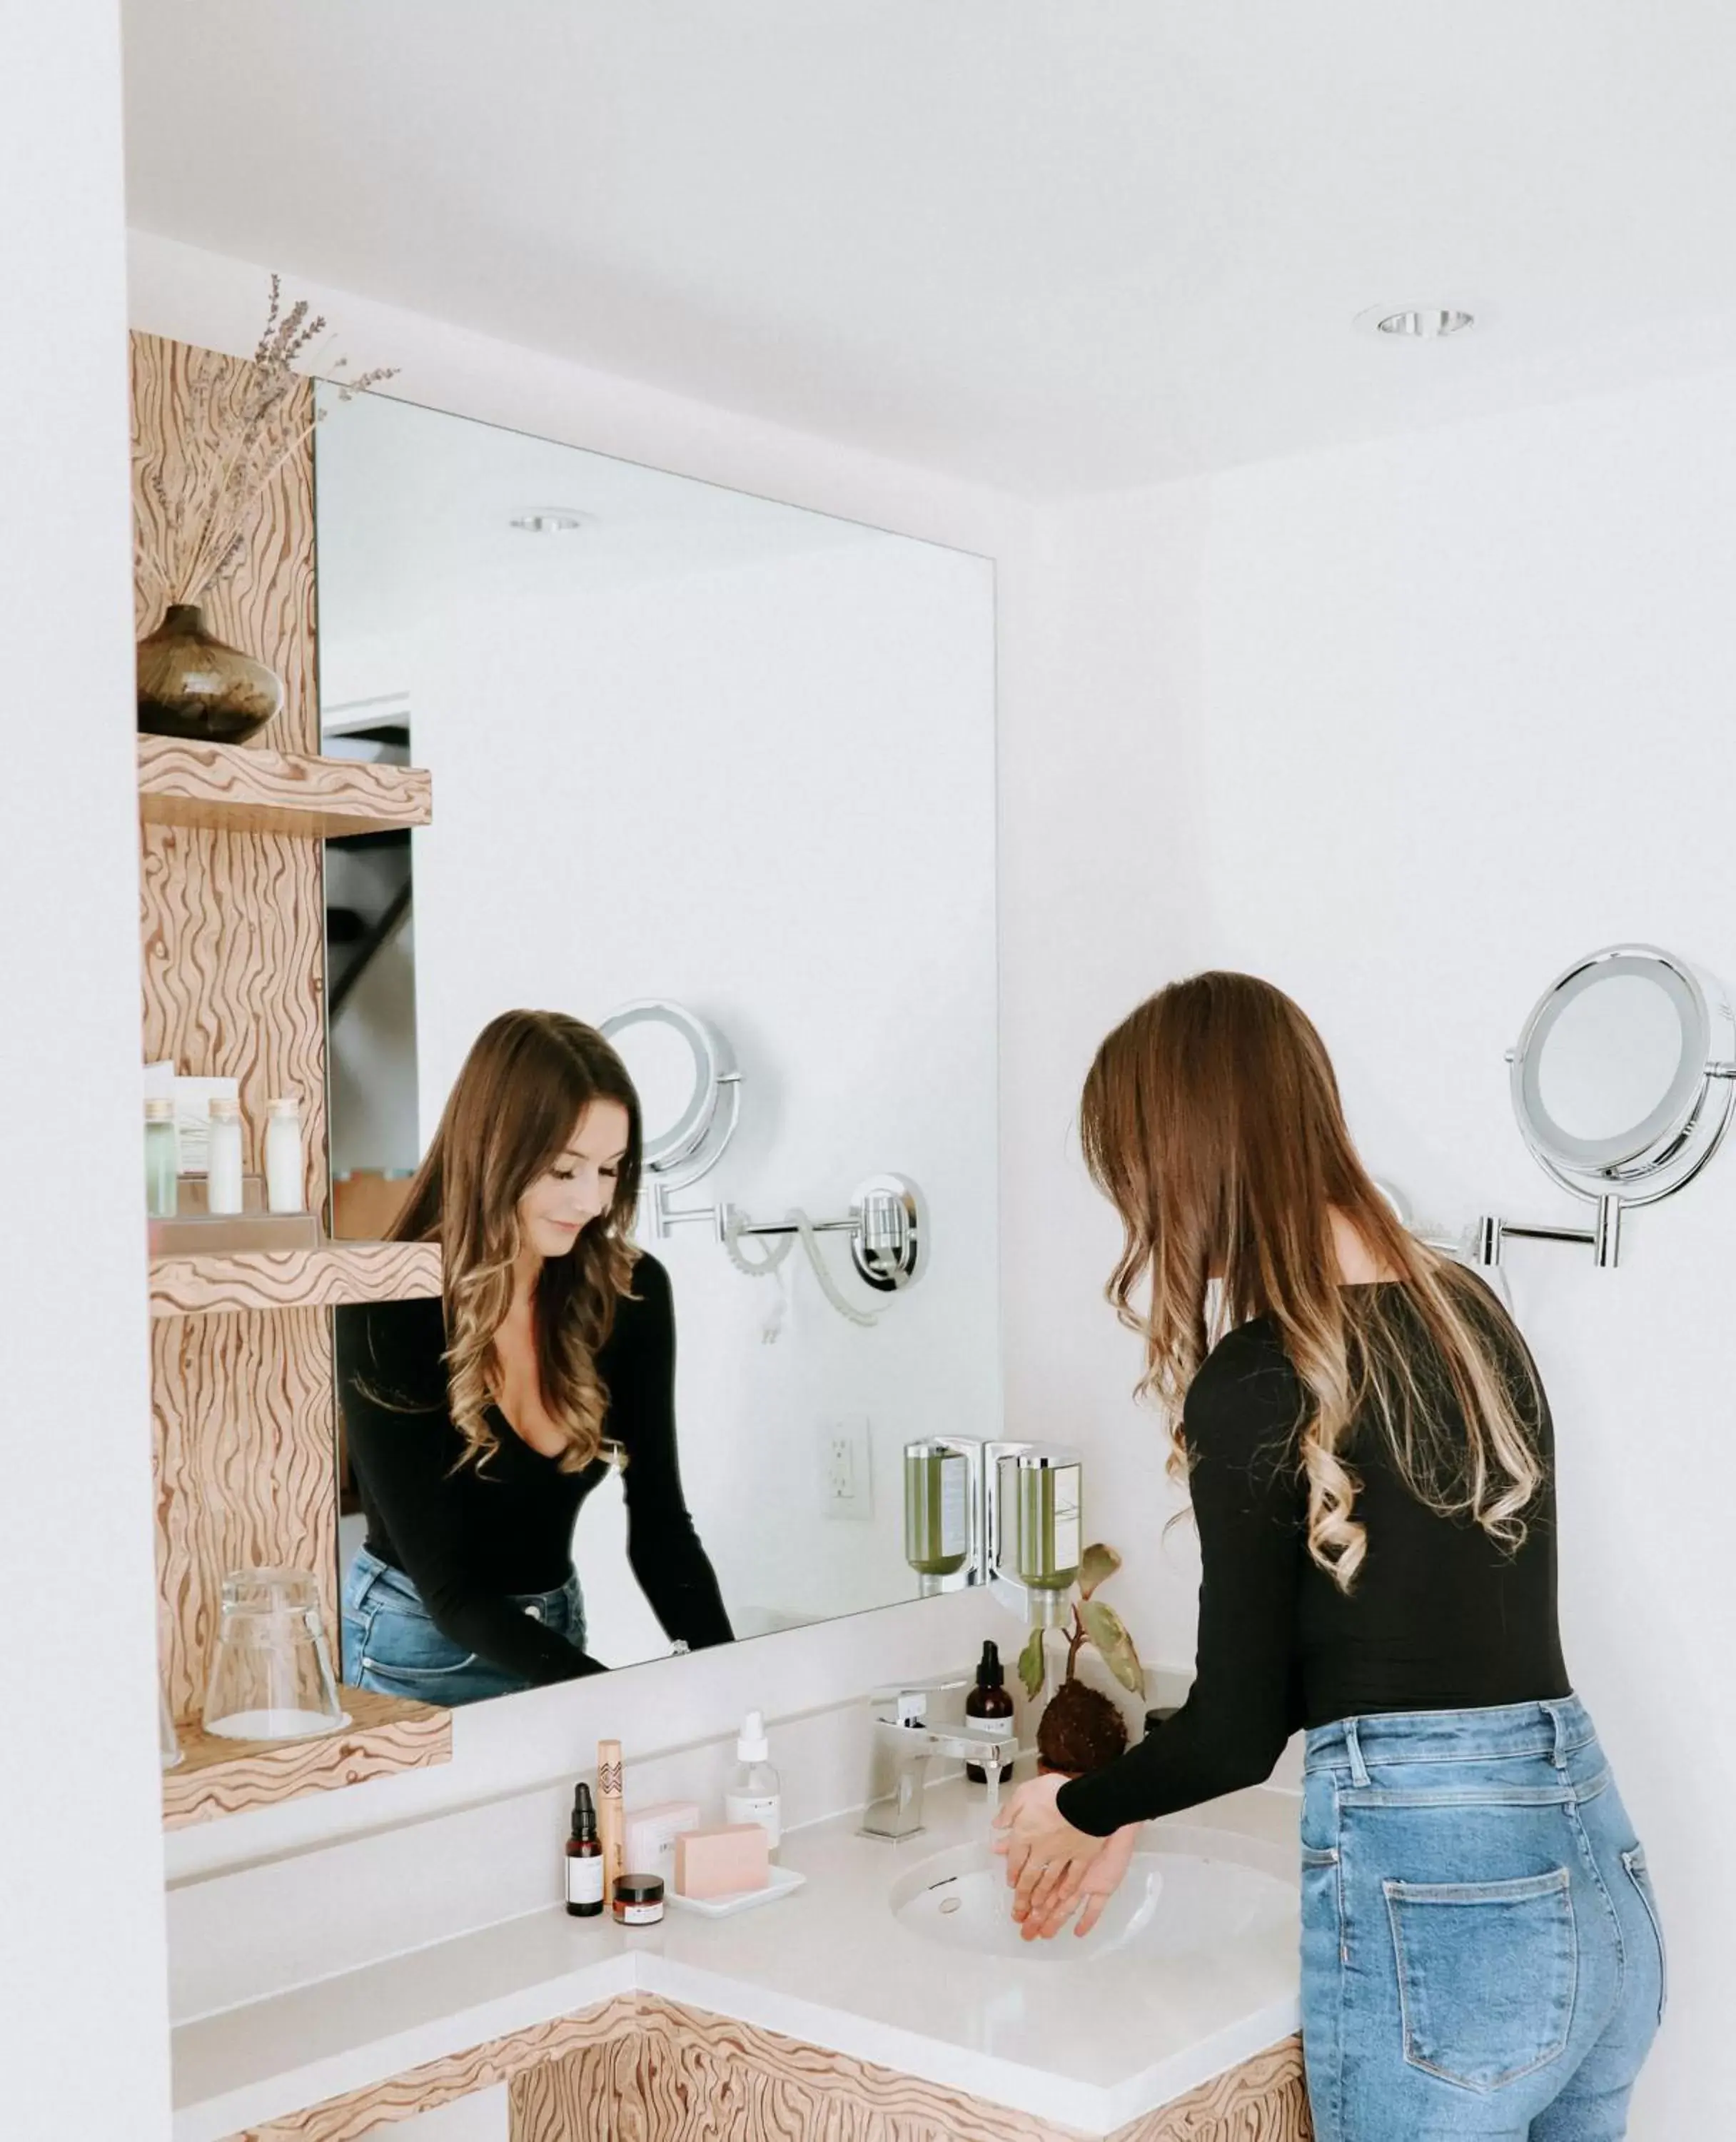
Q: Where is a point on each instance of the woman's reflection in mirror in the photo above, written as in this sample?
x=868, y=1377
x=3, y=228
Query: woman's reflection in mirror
x=478, y=1421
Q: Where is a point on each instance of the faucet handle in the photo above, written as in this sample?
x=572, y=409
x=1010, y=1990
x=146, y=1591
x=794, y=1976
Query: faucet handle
x=905, y=1702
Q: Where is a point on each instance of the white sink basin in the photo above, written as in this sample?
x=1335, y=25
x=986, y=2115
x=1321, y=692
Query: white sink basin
x=1175, y=1901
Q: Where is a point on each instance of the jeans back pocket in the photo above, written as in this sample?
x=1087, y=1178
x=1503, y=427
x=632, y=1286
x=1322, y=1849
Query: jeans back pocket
x=1488, y=1972
x=407, y=1646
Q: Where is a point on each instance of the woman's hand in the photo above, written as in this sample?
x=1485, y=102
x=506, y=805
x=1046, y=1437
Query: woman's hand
x=1049, y=1863
x=1101, y=1881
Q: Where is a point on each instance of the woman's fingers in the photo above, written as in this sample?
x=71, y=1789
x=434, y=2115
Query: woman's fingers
x=1052, y=1911
x=1095, y=1904
x=1046, y=1890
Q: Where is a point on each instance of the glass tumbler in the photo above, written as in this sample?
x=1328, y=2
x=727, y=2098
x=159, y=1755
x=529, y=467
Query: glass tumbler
x=271, y=1671
x=168, y=1747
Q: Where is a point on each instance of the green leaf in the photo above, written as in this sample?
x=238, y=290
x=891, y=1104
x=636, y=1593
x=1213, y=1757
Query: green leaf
x=1108, y=1632
x=1030, y=1666
x=1096, y=1565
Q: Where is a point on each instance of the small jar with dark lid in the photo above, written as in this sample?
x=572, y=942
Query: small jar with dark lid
x=639, y=1899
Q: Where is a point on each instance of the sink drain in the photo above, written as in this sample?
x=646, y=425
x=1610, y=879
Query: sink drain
x=949, y=1904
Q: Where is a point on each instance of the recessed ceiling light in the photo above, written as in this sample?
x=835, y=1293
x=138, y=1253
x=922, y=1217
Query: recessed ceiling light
x=1416, y=323
x=548, y=520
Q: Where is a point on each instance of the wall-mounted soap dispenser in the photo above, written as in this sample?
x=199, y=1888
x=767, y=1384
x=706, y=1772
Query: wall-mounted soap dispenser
x=943, y=1514
x=1032, y=1527
x=1004, y=1514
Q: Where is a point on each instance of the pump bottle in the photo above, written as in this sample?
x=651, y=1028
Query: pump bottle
x=988, y=1699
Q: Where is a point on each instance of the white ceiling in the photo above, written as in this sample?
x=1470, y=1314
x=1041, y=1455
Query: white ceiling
x=1056, y=247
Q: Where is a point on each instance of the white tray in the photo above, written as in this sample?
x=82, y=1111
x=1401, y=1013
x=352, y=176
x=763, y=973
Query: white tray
x=784, y=1880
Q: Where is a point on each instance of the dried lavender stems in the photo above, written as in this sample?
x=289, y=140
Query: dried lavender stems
x=253, y=427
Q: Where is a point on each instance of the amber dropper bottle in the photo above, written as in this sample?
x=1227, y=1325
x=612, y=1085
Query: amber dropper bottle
x=584, y=1860
x=988, y=1699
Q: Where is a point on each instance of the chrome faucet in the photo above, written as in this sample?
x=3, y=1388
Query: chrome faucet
x=903, y=1741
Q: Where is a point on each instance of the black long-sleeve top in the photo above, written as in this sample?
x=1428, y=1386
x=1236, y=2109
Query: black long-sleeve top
x=1441, y=1618
x=470, y=1536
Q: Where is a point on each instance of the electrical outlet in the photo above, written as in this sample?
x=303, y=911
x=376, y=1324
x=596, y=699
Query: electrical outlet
x=847, y=1479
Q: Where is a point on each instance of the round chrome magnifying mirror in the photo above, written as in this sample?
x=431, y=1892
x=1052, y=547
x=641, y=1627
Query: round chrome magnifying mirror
x=684, y=1072
x=1622, y=1085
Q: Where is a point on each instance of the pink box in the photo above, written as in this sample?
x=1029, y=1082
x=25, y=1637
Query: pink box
x=723, y=1862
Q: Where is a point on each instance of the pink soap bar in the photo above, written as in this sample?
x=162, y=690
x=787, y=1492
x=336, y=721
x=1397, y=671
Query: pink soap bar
x=723, y=1862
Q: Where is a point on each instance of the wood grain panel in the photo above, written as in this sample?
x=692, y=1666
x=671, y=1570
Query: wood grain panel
x=385, y=1735
x=1265, y=2099
x=232, y=927
x=640, y=2069
x=293, y=1278
x=266, y=606
x=439, y=2082
x=685, y=2076
x=232, y=933
x=232, y=788
x=245, y=1471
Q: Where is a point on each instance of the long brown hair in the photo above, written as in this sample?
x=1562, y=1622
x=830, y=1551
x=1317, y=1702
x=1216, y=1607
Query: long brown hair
x=1211, y=1120
x=528, y=1078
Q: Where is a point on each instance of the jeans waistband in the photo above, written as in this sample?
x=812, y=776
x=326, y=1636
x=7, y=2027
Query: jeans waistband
x=1558, y=1727
x=368, y=1572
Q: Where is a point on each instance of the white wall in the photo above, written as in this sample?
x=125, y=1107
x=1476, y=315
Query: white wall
x=759, y=793
x=81, y=1854
x=1424, y=721
x=528, y=1740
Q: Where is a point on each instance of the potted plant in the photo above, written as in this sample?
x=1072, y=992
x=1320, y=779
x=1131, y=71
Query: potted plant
x=1080, y=1728
x=204, y=492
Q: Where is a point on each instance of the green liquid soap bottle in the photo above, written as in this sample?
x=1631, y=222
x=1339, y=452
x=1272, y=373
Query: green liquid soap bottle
x=988, y=1699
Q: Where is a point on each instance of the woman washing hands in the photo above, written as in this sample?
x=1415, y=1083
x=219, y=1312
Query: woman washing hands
x=1051, y=1866
x=1371, y=1462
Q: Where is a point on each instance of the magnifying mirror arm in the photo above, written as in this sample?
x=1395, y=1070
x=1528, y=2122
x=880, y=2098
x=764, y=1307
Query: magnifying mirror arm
x=1603, y=1237
x=886, y=1223
x=741, y=1226
x=666, y=1218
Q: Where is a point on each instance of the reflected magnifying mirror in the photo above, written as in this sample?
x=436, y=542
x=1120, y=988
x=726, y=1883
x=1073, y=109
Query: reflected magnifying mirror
x=690, y=1091
x=1622, y=1084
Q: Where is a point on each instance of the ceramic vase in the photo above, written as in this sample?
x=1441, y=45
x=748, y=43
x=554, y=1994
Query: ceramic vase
x=191, y=685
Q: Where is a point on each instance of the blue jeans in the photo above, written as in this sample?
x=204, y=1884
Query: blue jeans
x=390, y=1642
x=1482, y=1953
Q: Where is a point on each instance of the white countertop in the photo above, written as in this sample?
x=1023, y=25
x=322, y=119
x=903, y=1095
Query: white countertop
x=1090, y=2046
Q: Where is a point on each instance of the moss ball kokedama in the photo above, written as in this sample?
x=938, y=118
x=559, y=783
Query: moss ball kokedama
x=1081, y=1729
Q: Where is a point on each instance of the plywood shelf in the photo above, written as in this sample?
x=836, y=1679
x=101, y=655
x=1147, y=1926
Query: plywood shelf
x=385, y=1735
x=232, y=789
x=322, y=1278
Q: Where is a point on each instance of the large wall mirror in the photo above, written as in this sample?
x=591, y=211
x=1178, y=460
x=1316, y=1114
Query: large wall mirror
x=696, y=750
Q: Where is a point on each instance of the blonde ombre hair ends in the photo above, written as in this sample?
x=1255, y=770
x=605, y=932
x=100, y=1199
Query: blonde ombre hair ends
x=1210, y=1119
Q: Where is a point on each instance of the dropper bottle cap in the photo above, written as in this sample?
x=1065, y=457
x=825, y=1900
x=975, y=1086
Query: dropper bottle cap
x=989, y=1673
x=752, y=1746
x=584, y=1816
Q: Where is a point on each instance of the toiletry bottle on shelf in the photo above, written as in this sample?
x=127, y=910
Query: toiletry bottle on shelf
x=223, y=1156
x=584, y=1860
x=285, y=1184
x=988, y=1699
x=162, y=1159
x=754, y=1793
